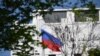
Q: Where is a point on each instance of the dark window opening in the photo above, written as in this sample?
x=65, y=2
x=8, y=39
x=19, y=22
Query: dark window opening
x=52, y=55
x=36, y=53
x=77, y=54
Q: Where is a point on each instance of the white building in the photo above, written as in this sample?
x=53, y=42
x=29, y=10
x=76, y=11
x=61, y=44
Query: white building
x=76, y=32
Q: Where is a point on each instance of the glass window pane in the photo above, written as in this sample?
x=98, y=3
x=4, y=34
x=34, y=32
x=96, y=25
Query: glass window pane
x=55, y=17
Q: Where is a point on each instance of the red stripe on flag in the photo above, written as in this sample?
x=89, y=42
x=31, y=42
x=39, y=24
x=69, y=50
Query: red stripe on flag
x=51, y=45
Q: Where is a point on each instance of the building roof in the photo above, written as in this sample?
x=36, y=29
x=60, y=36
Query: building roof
x=72, y=9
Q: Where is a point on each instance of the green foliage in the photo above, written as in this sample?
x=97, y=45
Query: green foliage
x=94, y=52
x=84, y=15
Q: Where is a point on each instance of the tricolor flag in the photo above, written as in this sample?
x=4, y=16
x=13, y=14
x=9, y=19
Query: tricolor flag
x=50, y=41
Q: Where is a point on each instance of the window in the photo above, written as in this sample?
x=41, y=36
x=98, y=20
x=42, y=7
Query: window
x=36, y=53
x=52, y=55
x=86, y=15
x=77, y=54
x=55, y=17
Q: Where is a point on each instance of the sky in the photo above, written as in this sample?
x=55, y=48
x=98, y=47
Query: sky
x=5, y=53
x=67, y=5
x=97, y=2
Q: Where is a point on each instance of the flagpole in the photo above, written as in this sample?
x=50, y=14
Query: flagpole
x=38, y=25
x=43, y=51
x=37, y=29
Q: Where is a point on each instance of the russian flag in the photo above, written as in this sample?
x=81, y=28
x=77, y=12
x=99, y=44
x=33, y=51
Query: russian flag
x=50, y=41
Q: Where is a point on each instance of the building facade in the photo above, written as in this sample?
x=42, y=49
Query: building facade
x=79, y=33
